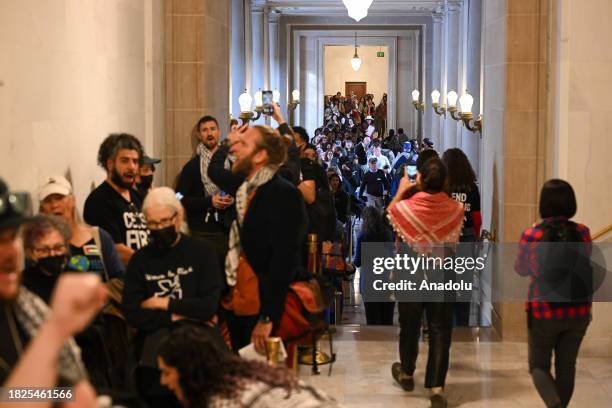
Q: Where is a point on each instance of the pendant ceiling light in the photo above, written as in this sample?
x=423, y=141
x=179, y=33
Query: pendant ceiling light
x=357, y=9
x=356, y=61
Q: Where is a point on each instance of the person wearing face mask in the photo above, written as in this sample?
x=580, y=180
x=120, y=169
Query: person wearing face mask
x=174, y=280
x=46, y=239
x=23, y=314
x=146, y=172
x=115, y=205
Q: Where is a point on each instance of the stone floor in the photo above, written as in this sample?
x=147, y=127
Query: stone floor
x=484, y=372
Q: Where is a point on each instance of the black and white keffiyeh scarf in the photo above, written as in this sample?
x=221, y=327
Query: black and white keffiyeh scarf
x=205, y=156
x=260, y=178
x=31, y=312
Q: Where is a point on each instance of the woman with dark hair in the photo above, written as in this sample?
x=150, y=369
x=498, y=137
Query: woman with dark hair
x=374, y=228
x=425, y=221
x=201, y=374
x=461, y=185
x=554, y=326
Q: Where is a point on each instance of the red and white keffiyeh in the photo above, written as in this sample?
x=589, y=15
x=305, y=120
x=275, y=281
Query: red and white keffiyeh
x=426, y=219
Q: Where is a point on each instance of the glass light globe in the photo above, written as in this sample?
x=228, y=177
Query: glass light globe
x=415, y=95
x=295, y=95
x=357, y=9
x=259, y=99
x=435, y=96
x=466, y=102
x=245, y=101
x=451, y=98
x=276, y=96
x=356, y=63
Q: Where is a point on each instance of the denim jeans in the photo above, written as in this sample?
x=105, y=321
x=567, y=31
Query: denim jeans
x=440, y=327
x=564, y=338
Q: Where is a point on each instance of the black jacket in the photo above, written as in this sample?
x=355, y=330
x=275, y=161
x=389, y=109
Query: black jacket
x=360, y=151
x=272, y=238
x=374, y=183
x=198, y=203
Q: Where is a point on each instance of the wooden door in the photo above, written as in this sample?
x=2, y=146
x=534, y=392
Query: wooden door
x=358, y=88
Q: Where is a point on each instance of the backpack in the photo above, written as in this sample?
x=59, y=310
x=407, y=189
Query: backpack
x=565, y=273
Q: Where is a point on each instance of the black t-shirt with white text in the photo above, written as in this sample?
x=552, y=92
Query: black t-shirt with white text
x=470, y=198
x=106, y=208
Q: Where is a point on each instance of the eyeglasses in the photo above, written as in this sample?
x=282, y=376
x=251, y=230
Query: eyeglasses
x=58, y=249
x=164, y=222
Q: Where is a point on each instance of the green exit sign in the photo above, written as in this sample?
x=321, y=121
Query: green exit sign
x=380, y=54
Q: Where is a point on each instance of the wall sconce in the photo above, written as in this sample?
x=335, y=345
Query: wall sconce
x=295, y=99
x=467, y=101
x=435, y=103
x=246, y=101
x=418, y=105
x=451, y=99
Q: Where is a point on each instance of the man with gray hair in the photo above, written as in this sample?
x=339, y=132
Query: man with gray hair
x=173, y=280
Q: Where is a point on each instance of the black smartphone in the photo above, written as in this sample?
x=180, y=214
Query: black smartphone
x=268, y=100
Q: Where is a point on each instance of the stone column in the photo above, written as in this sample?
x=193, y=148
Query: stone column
x=454, y=47
x=238, y=56
x=515, y=133
x=197, y=73
x=437, y=80
x=257, y=54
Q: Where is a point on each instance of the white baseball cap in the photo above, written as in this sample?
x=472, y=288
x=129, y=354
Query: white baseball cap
x=369, y=118
x=54, y=185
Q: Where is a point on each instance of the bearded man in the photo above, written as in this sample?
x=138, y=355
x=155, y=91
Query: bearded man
x=115, y=205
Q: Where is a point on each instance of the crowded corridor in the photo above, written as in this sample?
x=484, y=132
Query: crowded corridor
x=255, y=203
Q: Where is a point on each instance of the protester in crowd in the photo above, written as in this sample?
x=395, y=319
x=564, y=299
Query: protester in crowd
x=115, y=205
x=76, y=300
x=374, y=186
x=461, y=185
x=22, y=322
x=341, y=198
x=374, y=228
x=146, y=172
x=91, y=248
x=46, y=241
x=402, y=137
x=203, y=375
x=434, y=219
x=172, y=281
x=267, y=237
x=557, y=327
x=361, y=151
x=370, y=129
x=381, y=115
x=381, y=159
x=207, y=206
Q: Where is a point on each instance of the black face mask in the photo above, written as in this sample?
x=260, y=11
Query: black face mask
x=52, y=265
x=164, y=238
x=145, y=182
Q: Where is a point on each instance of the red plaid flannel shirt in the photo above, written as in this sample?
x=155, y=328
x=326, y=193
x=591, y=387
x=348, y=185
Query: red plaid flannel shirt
x=526, y=264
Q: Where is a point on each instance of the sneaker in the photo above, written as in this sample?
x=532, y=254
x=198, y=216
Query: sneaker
x=404, y=380
x=438, y=401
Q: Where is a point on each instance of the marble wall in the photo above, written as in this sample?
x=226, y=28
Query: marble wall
x=72, y=73
x=197, y=73
x=582, y=117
